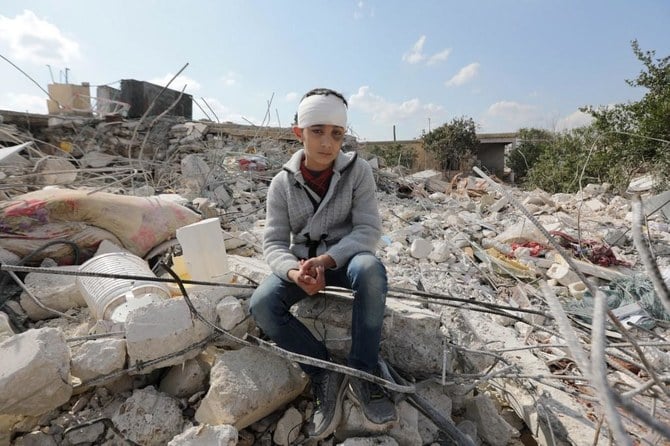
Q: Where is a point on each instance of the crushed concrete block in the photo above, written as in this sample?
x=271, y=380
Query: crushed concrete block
x=248, y=384
x=89, y=434
x=492, y=428
x=421, y=248
x=35, y=376
x=411, y=329
x=149, y=417
x=229, y=312
x=184, y=380
x=98, y=357
x=165, y=327
x=54, y=171
x=441, y=252
x=594, y=205
x=56, y=291
x=195, y=171
x=206, y=435
x=288, y=427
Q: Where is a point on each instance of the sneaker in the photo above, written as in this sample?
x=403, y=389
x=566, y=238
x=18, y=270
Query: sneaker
x=328, y=388
x=373, y=401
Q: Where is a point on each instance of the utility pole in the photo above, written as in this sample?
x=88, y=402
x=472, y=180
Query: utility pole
x=429, y=124
x=393, y=132
x=66, y=70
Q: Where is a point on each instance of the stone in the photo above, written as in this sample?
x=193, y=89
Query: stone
x=248, y=384
x=149, y=417
x=206, y=435
x=98, y=357
x=229, y=312
x=288, y=427
x=420, y=248
x=436, y=396
x=165, y=327
x=37, y=377
x=184, y=380
x=492, y=428
x=88, y=434
x=59, y=292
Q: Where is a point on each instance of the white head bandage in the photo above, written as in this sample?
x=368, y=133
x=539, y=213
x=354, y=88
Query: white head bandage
x=322, y=109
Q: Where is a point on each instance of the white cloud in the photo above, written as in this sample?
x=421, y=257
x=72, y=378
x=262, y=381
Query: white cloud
x=509, y=116
x=291, y=96
x=464, y=75
x=415, y=55
x=223, y=113
x=386, y=112
x=34, y=40
x=574, y=120
x=178, y=84
x=23, y=103
x=439, y=57
x=362, y=10
x=229, y=79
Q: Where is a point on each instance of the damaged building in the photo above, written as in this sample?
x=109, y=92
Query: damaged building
x=130, y=243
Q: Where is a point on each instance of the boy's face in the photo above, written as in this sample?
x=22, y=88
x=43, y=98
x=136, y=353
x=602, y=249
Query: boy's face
x=322, y=144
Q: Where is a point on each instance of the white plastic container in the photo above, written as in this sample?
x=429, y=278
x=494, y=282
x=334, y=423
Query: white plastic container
x=112, y=299
x=204, y=251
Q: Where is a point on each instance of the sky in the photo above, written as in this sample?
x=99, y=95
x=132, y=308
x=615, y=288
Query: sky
x=404, y=66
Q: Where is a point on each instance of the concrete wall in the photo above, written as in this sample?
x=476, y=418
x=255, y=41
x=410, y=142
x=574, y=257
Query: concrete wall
x=141, y=94
x=69, y=99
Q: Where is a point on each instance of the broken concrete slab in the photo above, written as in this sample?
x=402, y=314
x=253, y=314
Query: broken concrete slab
x=37, y=378
x=98, y=357
x=186, y=379
x=165, y=327
x=58, y=292
x=247, y=385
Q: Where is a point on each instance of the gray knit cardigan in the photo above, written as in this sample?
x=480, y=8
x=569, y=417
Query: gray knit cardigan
x=345, y=222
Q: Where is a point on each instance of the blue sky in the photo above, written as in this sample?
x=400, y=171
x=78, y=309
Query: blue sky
x=412, y=64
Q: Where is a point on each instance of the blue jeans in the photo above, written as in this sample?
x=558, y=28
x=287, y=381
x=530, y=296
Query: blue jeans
x=365, y=275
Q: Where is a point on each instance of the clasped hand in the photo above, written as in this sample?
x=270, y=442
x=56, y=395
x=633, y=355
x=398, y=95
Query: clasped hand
x=310, y=277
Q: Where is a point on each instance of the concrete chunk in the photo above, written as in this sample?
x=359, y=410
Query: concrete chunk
x=149, y=417
x=99, y=357
x=59, y=292
x=34, y=372
x=248, y=384
x=206, y=435
x=165, y=327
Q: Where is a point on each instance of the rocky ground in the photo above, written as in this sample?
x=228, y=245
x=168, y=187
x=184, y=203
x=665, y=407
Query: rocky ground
x=477, y=295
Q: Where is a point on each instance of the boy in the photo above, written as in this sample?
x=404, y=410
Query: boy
x=322, y=228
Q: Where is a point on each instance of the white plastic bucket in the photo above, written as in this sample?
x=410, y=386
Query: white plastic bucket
x=106, y=296
x=204, y=251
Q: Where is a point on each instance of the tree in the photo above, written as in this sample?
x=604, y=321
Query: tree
x=532, y=144
x=453, y=144
x=635, y=136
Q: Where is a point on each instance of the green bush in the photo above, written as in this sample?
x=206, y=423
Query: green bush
x=395, y=154
x=453, y=144
x=532, y=144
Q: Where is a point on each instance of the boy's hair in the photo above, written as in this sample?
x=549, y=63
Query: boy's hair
x=322, y=92
x=325, y=92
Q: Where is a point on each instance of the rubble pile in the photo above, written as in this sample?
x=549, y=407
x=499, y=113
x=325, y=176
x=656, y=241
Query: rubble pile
x=467, y=324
